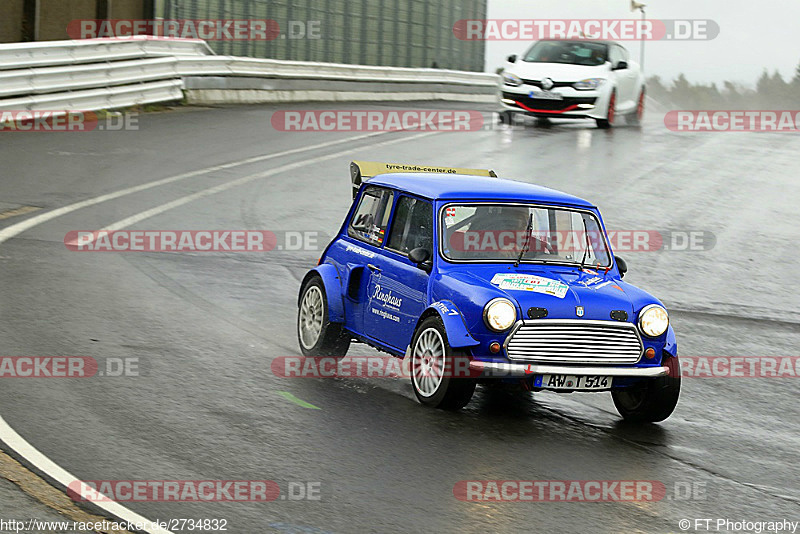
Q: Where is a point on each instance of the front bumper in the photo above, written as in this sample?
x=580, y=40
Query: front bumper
x=501, y=370
x=576, y=105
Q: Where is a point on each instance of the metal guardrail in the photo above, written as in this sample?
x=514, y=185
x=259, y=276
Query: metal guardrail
x=107, y=73
x=53, y=53
x=271, y=68
x=101, y=98
x=68, y=78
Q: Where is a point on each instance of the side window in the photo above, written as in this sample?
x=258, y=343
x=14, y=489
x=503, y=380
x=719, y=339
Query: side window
x=617, y=54
x=412, y=226
x=372, y=216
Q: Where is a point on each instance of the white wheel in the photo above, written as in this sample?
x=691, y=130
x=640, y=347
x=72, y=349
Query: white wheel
x=310, y=319
x=315, y=333
x=439, y=374
x=428, y=363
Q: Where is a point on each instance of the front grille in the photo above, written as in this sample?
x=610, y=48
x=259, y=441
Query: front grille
x=537, y=83
x=575, y=341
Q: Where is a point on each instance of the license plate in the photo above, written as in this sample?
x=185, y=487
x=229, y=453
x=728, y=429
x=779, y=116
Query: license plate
x=546, y=95
x=579, y=383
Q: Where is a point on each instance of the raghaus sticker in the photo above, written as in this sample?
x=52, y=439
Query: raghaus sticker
x=530, y=282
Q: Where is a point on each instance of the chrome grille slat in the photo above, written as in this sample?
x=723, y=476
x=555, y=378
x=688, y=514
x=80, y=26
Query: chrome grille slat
x=576, y=335
x=573, y=346
x=575, y=342
x=571, y=339
x=567, y=333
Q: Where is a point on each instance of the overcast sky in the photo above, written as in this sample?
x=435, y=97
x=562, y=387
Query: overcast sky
x=754, y=34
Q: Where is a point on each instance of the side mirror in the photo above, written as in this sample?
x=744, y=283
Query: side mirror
x=421, y=257
x=622, y=266
x=622, y=65
x=512, y=58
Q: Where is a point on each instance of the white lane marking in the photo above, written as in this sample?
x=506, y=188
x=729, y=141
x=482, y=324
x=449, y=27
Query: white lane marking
x=63, y=477
x=7, y=434
x=16, y=229
x=16, y=442
x=133, y=219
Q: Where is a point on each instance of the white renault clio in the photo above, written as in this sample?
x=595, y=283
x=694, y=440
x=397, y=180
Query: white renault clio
x=574, y=79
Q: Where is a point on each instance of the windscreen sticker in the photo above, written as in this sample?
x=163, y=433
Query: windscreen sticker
x=450, y=216
x=529, y=282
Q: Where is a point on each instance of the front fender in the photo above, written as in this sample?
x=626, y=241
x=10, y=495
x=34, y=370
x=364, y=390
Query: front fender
x=333, y=290
x=457, y=333
x=671, y=345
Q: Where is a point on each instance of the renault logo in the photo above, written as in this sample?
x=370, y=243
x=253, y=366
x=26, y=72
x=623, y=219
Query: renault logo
x=547, y=84
x=579, y=311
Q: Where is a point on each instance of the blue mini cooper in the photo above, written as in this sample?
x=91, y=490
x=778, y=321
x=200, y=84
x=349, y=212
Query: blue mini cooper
x=474, y=278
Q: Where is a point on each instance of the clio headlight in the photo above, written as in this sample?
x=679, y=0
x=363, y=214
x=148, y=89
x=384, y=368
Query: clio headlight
x=512, y=79
x=499, y=314
x=653, y=320
x=588, y=84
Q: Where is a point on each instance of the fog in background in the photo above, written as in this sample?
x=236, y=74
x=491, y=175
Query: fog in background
x=754, y=35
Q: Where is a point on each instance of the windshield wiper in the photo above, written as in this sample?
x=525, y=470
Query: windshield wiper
x=588, y=244
x=527, y=240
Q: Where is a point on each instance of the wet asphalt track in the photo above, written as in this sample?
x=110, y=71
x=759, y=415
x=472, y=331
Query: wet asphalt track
x=207, y=325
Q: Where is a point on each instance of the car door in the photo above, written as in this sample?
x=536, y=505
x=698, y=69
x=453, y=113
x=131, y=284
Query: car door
x=363, y=247
x=626, y=79
x=398, y=292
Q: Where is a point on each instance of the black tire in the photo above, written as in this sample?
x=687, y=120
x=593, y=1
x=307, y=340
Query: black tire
x=608, y=122
x=505, y=117
x=332, y=339
x=454, y=389
x=650, y=401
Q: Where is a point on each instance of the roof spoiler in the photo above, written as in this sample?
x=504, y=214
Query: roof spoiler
x=361, y=171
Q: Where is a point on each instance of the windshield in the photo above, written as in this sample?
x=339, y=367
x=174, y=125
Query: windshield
x=569, y=52
x=498, y=233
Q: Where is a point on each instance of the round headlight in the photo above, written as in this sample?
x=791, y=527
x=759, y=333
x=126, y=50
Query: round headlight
x=653, y=320
x=499, y=314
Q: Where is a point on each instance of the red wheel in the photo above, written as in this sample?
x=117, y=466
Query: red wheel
x=608, y=122
x=636, y=118
x=640, y=108
x=612, y=107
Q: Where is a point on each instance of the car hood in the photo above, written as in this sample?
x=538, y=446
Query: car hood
x=560, y=291
x=558, y=72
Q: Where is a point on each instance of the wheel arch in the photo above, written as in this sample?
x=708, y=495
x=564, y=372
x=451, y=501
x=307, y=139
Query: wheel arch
x=458, y=335
x=331, y=281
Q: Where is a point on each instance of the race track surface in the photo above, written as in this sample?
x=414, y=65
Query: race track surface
x=206, y=326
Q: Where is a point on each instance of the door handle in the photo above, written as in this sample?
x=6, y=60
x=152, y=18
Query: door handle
x=374, y=268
